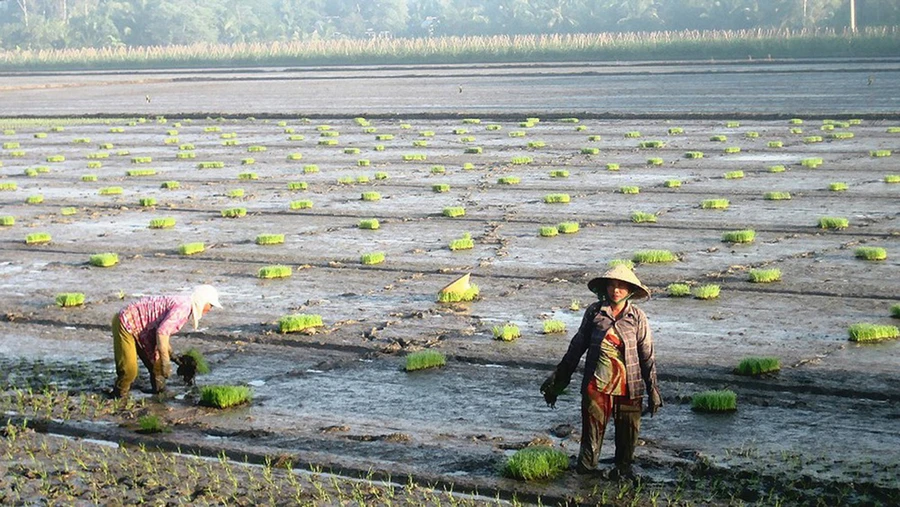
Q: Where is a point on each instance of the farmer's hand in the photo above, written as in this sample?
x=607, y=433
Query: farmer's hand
x=654, y=402
x=548, y=389
x=166, y=368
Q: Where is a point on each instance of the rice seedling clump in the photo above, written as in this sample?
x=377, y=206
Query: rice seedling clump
x=455, y=297
x=568, y=227
x=150, y=424
x=892, y=178
x=7, y=220
x=440, y=188
x=536, y=463
x=37, y=238
x=454, y=211
x=775, y=144
x=758, y=365
x=506, y=332
x=199, y=360
x=68, y=211
x=777, y=196
x=612, y=166
x=709, y=291
x=424, y=359
x=234, y=212
x=672, y=183
x=764, y=275
x=110, y=191
x=833, y=223
x=693, y=154
x=734, y=175
x=630, y=190
x=865, y=332
x=678, y=290
x=837, y=186
x=372, y=258
x=655, y=161
x=220, y=396
x=463, y=243
x=34, y=199
x=743, y=236
x=559, y=173
x=9, y=186
x=68, y=299
x=714, y=401
x=369, y=224
x=299, y=322
x=554, y=326
x=623, y=262
x=653, y=256
x=871, y=253
x=270, y=239
x=556, y=198
x=714, y=204
x=509, y=180
x=301, y=204
x=191, y=248
x=640, y=217
x=548, y=231
x=162, y=223
x=104, y=260
x=277, y=271
x=895, y=311
x=370, y=196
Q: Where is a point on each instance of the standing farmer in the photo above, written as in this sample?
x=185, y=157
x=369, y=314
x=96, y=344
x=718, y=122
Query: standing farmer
x=620, y=363
x=142, y=329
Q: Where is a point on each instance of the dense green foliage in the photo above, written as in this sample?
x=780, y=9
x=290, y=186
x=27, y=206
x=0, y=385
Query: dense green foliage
x=424, y=359
x=714, y=401
x=758, y=365
x=224, y=396
x=536, y=463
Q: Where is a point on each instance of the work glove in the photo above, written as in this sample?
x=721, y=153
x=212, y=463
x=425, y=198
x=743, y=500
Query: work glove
x=166, y=369
x=653, y=403
x=549, y=390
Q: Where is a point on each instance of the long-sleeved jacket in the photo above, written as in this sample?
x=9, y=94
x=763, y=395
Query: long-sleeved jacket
x=632, y=327
x=153, y=319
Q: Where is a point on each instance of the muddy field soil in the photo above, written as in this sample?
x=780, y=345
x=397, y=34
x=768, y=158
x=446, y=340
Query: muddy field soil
x=822, y=429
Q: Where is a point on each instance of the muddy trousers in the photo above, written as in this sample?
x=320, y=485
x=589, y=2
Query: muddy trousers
x=596, y=409
x=126, y=352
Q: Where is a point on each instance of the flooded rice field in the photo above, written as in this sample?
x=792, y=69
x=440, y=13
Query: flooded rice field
x=825, y=428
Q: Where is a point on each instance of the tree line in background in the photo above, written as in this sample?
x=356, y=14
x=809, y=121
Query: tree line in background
x=38, y=24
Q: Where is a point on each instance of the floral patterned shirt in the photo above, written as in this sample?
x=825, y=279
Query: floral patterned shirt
x=151, y=316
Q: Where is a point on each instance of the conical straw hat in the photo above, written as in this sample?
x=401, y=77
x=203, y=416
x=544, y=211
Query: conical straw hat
x=622, y=273
x=459, y=286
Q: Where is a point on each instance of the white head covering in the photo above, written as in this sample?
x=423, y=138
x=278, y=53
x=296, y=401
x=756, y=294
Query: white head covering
x=203, y=295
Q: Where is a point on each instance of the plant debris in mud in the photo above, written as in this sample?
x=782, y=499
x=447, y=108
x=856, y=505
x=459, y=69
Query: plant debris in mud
x=714, y=401
x=536, y=463
x=221, y=396
x=757, y=366
x=424, y=359
x=866, y=332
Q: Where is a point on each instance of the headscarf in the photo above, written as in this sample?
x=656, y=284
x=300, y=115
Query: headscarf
x=203, y=295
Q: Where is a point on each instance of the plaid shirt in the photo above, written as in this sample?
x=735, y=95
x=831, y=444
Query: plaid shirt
x=151, y=316
x=632, y=327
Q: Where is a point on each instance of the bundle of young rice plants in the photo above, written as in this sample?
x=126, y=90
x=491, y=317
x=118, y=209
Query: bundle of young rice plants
x=506, y=332
x=475, y=150
x=796, y=121
x=714, y=401
x=536, y=144
x=210, y=165
x=369, y=224
x=812, y=162
x=678, y=290
x=162, y=223
x=892, y=178
x=776, y=169
x=270, y=239
x=655, y=161
x=89, y=177
x=812, y=139
x=632, y=134
x=468, y=166
x=362, y=179
x=775, y=144
x=381, y=175
x=248, y=161
x=718, y=138
x=693, y=154
x=150, y=424
x=612, y=166
x=708, y=291
x=732, y=149
x=301, y=204
x=384, y=137
x=865, y=332
x=277, y=271
x=837, y=186
x=440, y=187
x=68, y=211
x=94, y=165
x=732, y=124
x=764, y=275
x=147, y=201
x=424, y=359
x=12, y=145
x=299, y=322
x=880, y=153
x=516, y=133
x=37, y=238
x=777, y=196
x=714, y=204
x=370, y=258
x=521, y=160
x=509, y=180
x=733, y=175
x=34, y=199
x=453, y=211
x=104, y=260
x=40, y=135
x=653, y=256
x=568, y=227
x=620, y=262
x=426, y=133
x=652, y=144
x=559, y=173
x=493, y=126
x=842, y=135
x=871, y=253
x=833, y=223
x=8, y=186
x=630, y=190
x=548, y=231
x=420, y=143
x=590, y=151
x=751, y=135
x=219, y=396
x=642, y=217
x=56, y=158
x=536, y=463
x=757, y=366
x=556, y=198
x=294, y=137
x=594, y=138
x=234, y=212
x=67, y=299
x=672, y=183
x=186, y=155
x=370, y=196
x=310, y=168
x=141, y=160
x=7, y=220
x=191, y=248
x=895, y=311
x=414, y=157
x=297, y=185
x=229, y=136
x=553, y=326
x=741, y=236
x=212, y=128
x=186, y=147
x=463, y=243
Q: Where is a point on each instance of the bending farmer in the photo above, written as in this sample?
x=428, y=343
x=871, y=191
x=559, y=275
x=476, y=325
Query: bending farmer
x=620, y=363
x=142, y=329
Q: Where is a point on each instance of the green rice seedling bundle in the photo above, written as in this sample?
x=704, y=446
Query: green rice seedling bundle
x=34, y=199
x=379, y=147
x=269, y=239
x=296, y=137
x=842, y=135
x=370, y=130
x=67, y=299
x=299, y=322
x=632, y=134
x=533, y=121
x=414, y=157
x=509, y=180
x=620, y=262
x=56, y=158
x=548, y=231
x=186, y=155
x=363, y=162
x=672, y=183
x=714, y=204
x=709, y=291
x=468, y=166
x=37, y=238
x=351, y=151
x=880, y=153
x=235, y=193
x=147, y=201
x=405, y=126
x=440, y=187
x=17, y=153
x=310, y=168
x=460, y=132
x=234, y=212
x=553, y=326
x=536, y=463
x=224, y=396
x=186, y=147
x=678, y=290
x=104, y=260
x=827, y=127
x=369, y=224
x=526, y=124
x=12, y=145
x=764, y=275
x=150, y=424
x=751, y=135
x=812, y=139
x=228, y=135
x=212, y=128
x=516, y=133
x=594, y=138
x=384, y=137
x=256, y=148
x=426, y=133
x=94, y=165
x=191, y=248
x=493, y=126
x=420, y=143
x=612, y=166
x=522, y=160
x=110, y=191
x=559, y=173
x=424, y=359
x=732, y=124
x=674, y=131
x=506, y=332
x=295, y=156
x=162, y=223
x=457, y=297
x=40, y=135
x=871, y=253
x=893, y=130
x=733, y=175
x=568, y=227
x=556, y=198
x=796, y=131
x=248, y=161
x=98, y=155
x=775, y=144
x=776, y=169
x=652, y=144
x=381, y=175
x=833, y=223
x=362, y=179
x=68, y=211
x=210, y=165
x=9, y=186
x=248, y=176
x=653, y=256
x=171, y=140
x=297, y=185
x=141, y=172
x=9, y=132
x=536, y=144
x=301, y=204
x=370, y=196
x=732, y=149
x=718, y=138
x=471, y=121
x=171, y=132
x=629, y=190
x=569, y=120
x=170, y=185
x=714, y=401
x=777, y=196
x=476, y=150
x=141, y=160
x=453, y=211
x=751, y=366
x=346, y=180
x=57, y=128
x=463, y=243
x=895, y=311
x=278, y=271
x=796, y=121
x=865, y=332
x=655, y=161
x=42, y=169
x=590, y=151
x=642, y=217
x=372, y=258
x=837, y=186
x=438, y=169
x=742, y=236
x=892, y=178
